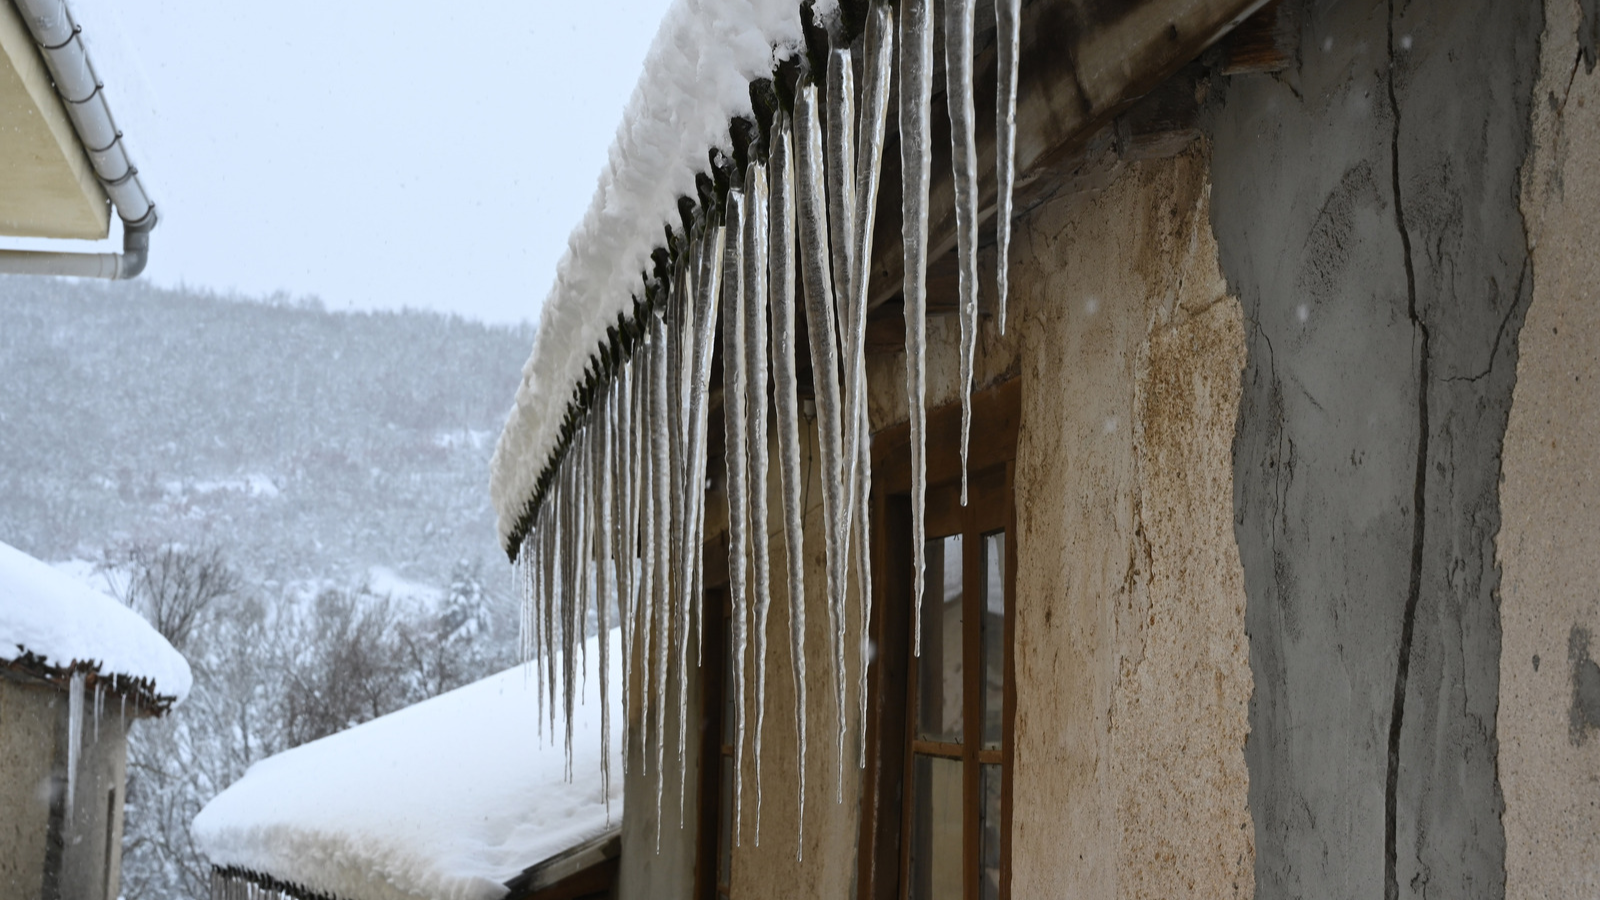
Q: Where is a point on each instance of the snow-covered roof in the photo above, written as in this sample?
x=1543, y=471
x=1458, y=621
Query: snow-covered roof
x=62, y=621
x=696, y=79
x=449, y=798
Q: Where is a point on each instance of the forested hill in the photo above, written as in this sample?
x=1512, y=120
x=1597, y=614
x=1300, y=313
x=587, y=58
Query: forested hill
x=306, y=444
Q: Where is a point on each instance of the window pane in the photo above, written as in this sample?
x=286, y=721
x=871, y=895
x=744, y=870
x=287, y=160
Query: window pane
x=989, y=849
x=936, y=830
x=724, y=820
x=939, y=670
x=994, y=638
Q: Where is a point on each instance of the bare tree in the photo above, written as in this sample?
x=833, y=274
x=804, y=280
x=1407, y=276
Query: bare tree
x=173, y=586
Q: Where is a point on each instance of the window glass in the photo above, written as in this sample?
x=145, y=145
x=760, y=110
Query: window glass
x=994, y=638
x=939, y=669
x=989, y=839
x=936, y=830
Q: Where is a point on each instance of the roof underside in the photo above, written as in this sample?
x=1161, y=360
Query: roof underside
x=47, y=187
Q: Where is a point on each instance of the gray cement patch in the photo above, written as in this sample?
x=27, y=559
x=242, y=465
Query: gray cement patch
x=1365, y=206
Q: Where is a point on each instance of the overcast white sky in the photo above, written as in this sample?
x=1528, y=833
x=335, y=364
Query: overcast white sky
x=373, y=153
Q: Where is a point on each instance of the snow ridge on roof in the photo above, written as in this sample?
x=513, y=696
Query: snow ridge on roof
x=696, y=79
x=448, y=799
x=62, y=620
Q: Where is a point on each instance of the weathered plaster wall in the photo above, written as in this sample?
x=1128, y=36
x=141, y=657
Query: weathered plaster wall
x=1131, y=671
x=1365, y=207
x=825, y=865
x=658, y=853
x=27, y=756
x=1549, y=723
x=33, y=779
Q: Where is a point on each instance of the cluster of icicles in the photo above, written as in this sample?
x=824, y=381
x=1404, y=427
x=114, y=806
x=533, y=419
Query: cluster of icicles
x=618, y=528
x=77, y=696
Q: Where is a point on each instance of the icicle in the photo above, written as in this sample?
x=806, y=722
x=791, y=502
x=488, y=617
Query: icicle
x=675, y=401
x=97, y=707
x=122, y=716
x=649, y=417
x=705, y=317
x=963, y=138
x=661, y=509
x=553, y=534
x=601, y=460
x=824, y=375
x=74, y=741
x=531, y=547
x=616, y=424
x=786, y=388
x=736, y=457
x=869, y=165
x=570, y=550
x=839, y=165
x=916, y=163
x=1008, y=29
x=755, y=377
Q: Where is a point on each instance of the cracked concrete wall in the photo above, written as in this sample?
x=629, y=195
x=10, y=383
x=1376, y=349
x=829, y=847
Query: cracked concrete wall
x=1549, y=754
x=1365, y=208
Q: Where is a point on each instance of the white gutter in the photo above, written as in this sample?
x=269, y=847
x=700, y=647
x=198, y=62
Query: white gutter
x=61, y=45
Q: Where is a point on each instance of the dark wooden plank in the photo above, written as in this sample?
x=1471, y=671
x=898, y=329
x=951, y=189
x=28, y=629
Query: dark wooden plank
x=996, y=420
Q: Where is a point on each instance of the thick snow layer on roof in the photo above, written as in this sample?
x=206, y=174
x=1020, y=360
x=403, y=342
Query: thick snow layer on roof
x=445, y=799
x=696, y=79
x=53, y=615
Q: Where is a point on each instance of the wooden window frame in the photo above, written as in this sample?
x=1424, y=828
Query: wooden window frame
x=716, y=613
x=891, y=741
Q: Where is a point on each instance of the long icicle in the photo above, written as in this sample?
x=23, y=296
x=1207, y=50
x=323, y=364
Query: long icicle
x=813, y=224
x=736, y=454
x=1008, y=38
x=869, y=166
x=785, y=382
x=577, y=603
x=755, y=376
x=916, y=164
x=622, y=559
x=648, y=418
x=552, y=531
x=661, y=425
x=604, y=582
x=839, y=161
x=74, y=743
x=958, y=24
x=682, y=359
x=708, y=298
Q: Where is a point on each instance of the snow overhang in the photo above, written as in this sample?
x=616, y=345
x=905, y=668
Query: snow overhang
x=453, y=797
x=53, y=627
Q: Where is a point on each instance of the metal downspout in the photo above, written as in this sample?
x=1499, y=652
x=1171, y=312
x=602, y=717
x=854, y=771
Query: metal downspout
x=61, y=45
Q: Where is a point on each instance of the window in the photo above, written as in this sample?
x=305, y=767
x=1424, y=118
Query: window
x=956, y=692
x=937, y=803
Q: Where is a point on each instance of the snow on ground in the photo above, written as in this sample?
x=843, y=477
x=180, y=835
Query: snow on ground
x=54, y=615
x=696, y=79
x=384, y=581
x=445, y=799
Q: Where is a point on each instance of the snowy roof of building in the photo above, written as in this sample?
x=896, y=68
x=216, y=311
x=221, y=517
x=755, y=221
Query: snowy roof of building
x=58, y=623
x=696, y=79
x=451, y=797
